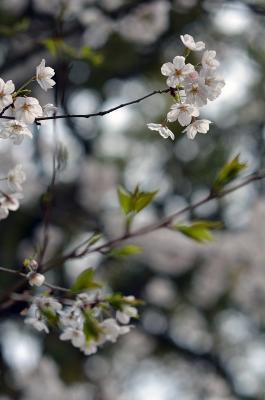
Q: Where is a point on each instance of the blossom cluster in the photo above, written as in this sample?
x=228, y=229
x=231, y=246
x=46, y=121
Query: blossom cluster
x=86, y=321
x=192, y=86
x=18, y=111
x=21, y=109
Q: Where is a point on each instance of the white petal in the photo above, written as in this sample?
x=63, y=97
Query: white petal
x=179, y=62
x=168, y=69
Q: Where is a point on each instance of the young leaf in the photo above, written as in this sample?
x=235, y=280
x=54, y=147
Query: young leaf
x=51, y=317
x=199, y=231
x=136, y=201
x=91, y=327
x=228, y=173
x=53, y=45
x=85, y=281
x=125, y=251
x=94, y=238
x=125, y=200
x=143, y=199
x=116, y=300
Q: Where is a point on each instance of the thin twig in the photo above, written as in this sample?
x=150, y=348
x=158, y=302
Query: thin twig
x=164, y=223
x=99, y=113
x=18, y=273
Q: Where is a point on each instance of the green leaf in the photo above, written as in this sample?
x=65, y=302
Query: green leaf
x=143, y=199
x=116, y=300
x=94, y=238
x=228, y=173
x=125, y=200
x=51, y=317
x=53, y=45
x=85, y=281
x=199, y=231
x=125, y=251
x=91, y=327
x=11, y=30
x=87, y=54
x=136, y=201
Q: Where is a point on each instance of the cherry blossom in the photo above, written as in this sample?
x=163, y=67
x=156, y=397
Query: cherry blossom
x=6, y=90
x=162, y=130
x=209, y=60
x=71, y=316
x=183, y=113
x=44, y=302
x=196, y=92
x=112, y=330
x=200, y=125
x=49, y=110
x=15, y=130
x=214, y=83
x=10, y=201
x=89, y=348
x=124, y=316
x=27, y=109
x=38, y=323
x=176, y=71
x=189, y=42
x=36, y=319
x=44, y=75
x=76, y=336
x=16, y=176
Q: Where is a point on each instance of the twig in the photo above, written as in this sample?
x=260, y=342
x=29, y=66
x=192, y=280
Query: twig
x=18, y=273
x=99, y=113
x=165, y=222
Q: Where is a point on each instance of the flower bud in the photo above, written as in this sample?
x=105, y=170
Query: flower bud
x=36, y=279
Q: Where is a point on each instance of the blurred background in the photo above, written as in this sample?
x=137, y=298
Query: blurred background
x=201, y=331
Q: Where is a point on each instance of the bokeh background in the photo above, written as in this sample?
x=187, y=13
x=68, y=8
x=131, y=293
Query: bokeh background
x=201, y=331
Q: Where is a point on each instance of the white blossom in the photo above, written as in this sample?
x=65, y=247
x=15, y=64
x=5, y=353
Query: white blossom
x=10, y=201
x=35, y=318
x=36, y=279
x=44, y=75
x=112, y=330
x=43, y=302
x=124, y=316
x=49, y=110
x=176, y=71
x=27, y=109
x=89, y=348
x=15, y=130
x=209, y=60
x=183, y=113
x=76, y=336
x=196, y=92
x=37, y=323
x=200, y=125
x=6, y=90
x=71, y=317
x=214, y=83
x=162, y=130
x=15, y=177
x=189, y=42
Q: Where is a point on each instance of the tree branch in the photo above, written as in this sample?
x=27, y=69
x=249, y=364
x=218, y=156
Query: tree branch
x=99, y=113
x=164, y=223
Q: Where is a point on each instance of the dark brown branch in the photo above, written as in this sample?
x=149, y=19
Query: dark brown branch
x=99, y=113
x=164, y=223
